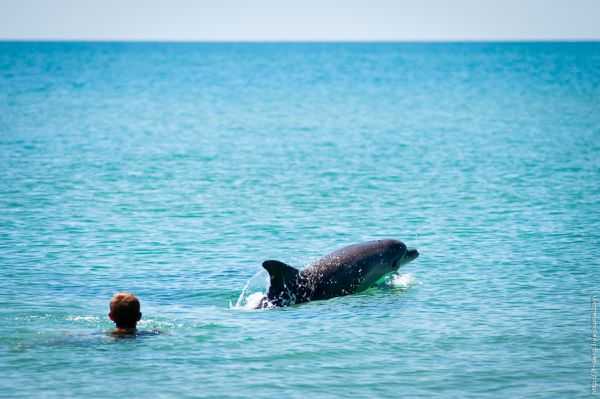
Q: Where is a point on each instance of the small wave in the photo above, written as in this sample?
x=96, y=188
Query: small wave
x=83, y=318
x=159, y=324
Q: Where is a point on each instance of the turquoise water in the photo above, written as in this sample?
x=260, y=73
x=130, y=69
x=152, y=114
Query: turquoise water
x=173, y=170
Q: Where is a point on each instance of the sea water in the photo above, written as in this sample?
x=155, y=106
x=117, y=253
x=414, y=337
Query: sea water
x=173, y=170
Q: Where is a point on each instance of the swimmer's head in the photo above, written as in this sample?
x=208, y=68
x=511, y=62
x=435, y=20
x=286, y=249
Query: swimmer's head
x=125, y=310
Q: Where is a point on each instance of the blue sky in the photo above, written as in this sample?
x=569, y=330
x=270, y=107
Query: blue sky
x=279, y=20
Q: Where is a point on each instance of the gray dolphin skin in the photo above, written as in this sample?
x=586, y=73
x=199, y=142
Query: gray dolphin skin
x=348, y=270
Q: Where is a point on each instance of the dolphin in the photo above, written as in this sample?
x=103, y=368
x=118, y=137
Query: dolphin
x=348, y=270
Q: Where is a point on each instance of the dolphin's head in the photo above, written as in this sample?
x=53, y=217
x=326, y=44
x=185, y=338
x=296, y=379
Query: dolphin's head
x=398, y=254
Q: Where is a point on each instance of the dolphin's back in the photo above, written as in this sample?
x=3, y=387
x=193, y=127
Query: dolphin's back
x=344, y=271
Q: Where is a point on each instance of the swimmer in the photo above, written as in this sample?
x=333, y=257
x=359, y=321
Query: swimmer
x=125, y=312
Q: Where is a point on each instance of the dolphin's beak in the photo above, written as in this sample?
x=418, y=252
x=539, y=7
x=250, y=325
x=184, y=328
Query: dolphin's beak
x=411, y=254
x=408, y=256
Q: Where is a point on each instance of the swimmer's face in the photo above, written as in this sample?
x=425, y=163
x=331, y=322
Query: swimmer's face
x=125, y=310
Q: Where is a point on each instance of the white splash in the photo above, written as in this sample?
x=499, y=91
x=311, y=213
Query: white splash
x=254, y=300
x=402, y=280
x=253, y=293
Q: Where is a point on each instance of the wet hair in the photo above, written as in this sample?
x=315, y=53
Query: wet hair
x=125, y=310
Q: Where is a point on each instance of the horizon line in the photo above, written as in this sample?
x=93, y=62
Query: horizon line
x=300, y=41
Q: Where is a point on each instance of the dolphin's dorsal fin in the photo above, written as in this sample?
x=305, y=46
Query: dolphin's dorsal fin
x=282, y=275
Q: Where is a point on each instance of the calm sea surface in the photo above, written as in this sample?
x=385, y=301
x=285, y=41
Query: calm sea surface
x=173, y=170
